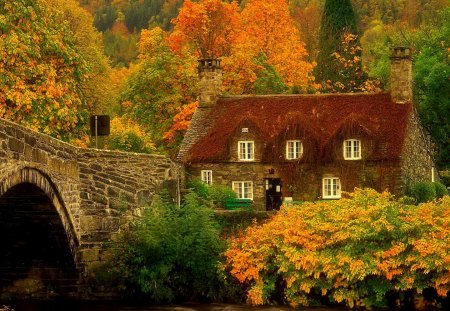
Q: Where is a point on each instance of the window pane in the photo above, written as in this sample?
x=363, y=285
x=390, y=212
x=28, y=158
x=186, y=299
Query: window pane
x=246, y=150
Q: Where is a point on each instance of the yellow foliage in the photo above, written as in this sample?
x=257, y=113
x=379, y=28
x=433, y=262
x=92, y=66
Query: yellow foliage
x=337, y=247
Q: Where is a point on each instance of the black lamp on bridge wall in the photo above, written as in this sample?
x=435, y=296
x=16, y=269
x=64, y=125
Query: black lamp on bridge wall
x=100, y=126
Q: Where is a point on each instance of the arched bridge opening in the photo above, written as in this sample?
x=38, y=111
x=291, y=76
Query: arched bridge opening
x=36, y=257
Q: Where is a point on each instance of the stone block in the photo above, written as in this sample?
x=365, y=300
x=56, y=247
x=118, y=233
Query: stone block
x=40, y=156
x=16, y=145
x=89, y=255
x=111, y=224
x=90, y=223
x=30, y=140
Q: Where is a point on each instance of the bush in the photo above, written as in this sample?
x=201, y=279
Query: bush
x=170, y=254
x=440, y=189
x=445, y=175
x=216, y=195
x=423, y=192
x=354, y=251
x=127, y=135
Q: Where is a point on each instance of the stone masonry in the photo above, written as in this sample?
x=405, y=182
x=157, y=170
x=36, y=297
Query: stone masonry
x=95, y=192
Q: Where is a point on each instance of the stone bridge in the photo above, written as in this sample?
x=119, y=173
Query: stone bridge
x=91, y=194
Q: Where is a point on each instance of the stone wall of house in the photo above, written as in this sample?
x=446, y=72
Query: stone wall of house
x=417, y=163
x=303, y=181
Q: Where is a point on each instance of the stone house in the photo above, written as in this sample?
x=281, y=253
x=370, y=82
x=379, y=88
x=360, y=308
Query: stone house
x=306, y=147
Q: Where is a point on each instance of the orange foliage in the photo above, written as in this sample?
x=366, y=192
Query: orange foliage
x=214, y=28
x=210, y=27
x=353, y=250
x=270, y=27
x=181, y=120
x=120, y=28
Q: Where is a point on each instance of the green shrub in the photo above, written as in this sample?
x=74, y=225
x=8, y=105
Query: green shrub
x=170, y=254
x=234, y=223
x=216, y=195
x=445, y=177
x=440, y=190
x=423, y=192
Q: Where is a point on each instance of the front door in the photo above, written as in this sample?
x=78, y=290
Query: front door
x=273, y=193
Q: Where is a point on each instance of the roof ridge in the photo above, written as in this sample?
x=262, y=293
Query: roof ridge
x=302, y=95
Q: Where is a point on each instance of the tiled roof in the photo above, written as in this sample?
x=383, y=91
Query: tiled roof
x=322, y=116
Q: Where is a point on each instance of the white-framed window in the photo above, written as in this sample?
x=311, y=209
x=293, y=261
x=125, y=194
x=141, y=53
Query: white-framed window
x=207, y=177
x=246, y=150
x=243, y=189
x=294, y=149
x=331, y=188
x=352, y=149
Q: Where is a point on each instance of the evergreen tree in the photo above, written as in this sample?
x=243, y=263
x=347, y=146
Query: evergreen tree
x=338, y=19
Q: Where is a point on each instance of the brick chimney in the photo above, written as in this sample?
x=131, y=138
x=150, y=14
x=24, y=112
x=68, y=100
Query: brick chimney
x=210, y=84
x=401, y=75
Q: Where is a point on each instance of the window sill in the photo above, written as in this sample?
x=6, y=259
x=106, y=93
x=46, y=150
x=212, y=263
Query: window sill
x=332, y=198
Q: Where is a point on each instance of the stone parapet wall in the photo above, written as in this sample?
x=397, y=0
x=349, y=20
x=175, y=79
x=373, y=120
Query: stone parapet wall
x=114, y=187
x=95, y=192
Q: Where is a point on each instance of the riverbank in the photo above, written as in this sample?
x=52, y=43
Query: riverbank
x=66, y=305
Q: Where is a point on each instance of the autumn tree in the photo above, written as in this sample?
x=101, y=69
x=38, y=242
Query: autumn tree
x=208, y=27
x=41, y=70
x=160, y=87
x=96, y=87
x=307, y=17
x=338, y=20
x=270, y=29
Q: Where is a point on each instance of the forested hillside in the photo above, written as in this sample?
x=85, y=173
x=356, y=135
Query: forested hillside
x=136, y=59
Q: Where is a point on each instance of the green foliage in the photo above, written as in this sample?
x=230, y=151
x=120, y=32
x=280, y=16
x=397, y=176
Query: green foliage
x=445, y=175
x=139, y=13
x=431, y=69
x=432, y=83
x=338, y=18
x=423, y=192
x=170, y=254
x=354, y=251
x=215, y=195
x=234, y=223
x=268, y=80
x=120, y=49
x=162, y=84
x=440, y=190
x=105, y=17
x=128, y=141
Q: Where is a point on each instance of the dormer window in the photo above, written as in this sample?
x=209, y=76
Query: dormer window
x=352, y=149
x=294, y=149
x=246, y=150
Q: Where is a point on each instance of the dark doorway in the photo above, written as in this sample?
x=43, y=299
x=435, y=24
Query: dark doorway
x=273, y=193
x=35, y=256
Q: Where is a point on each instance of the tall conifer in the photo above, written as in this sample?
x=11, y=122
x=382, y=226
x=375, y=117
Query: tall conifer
x=338, y=18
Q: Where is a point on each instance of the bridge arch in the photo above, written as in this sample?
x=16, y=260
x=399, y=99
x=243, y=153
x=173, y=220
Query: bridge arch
x=43, y=181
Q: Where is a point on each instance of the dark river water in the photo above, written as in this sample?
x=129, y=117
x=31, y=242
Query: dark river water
x=109, y=306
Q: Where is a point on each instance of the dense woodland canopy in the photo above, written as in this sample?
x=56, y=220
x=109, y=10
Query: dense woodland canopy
x=136, y=59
